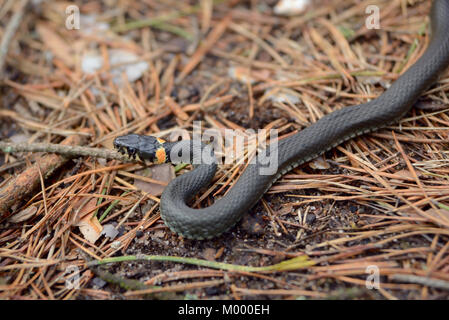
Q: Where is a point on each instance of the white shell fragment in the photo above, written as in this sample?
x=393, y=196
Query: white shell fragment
x=282, y=96
x=290, y=7
x=91, y=62
x=120, y=61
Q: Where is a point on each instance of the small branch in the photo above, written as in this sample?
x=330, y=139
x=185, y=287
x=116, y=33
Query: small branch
x=9, y=33
x=65, y=150
x=429, y=282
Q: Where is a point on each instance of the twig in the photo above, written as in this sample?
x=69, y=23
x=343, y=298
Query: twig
x=436, y=283
x=68, y=151
x=9, y=33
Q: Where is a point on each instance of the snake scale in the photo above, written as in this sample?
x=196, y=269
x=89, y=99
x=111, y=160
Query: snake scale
x=323, y=135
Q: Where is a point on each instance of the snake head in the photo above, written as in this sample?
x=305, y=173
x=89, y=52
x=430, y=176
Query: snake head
x=145, y=148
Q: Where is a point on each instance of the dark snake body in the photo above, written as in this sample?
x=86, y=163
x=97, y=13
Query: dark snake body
x=321, y=136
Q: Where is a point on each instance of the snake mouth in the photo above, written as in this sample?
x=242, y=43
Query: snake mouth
x=122, y=150
x=131, y=153
x=126, y=151
x=124, y=146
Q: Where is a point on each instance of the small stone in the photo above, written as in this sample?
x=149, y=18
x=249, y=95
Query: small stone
x=311, y=218
x=98, y=283
x=109, y=231
x=139, y=233
x=212, y=291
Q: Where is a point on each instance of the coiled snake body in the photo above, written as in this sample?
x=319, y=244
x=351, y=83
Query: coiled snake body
x=328, y=132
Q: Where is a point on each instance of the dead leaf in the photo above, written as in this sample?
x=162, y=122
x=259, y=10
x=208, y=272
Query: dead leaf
x=209, y=254
x=160, y=172
x=319, y=163
x=23, y=215
x=91, y=228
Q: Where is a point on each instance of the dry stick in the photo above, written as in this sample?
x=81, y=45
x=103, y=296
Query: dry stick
x=9, y=33
x=65, y=150
x=429, y=282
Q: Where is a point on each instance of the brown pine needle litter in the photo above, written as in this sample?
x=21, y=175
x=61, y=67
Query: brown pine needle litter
x=377, y=205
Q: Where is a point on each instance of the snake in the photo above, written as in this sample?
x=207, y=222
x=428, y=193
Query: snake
x=329, y=131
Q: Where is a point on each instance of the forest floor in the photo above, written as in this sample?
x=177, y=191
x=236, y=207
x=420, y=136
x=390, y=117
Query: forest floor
x=367, y=220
